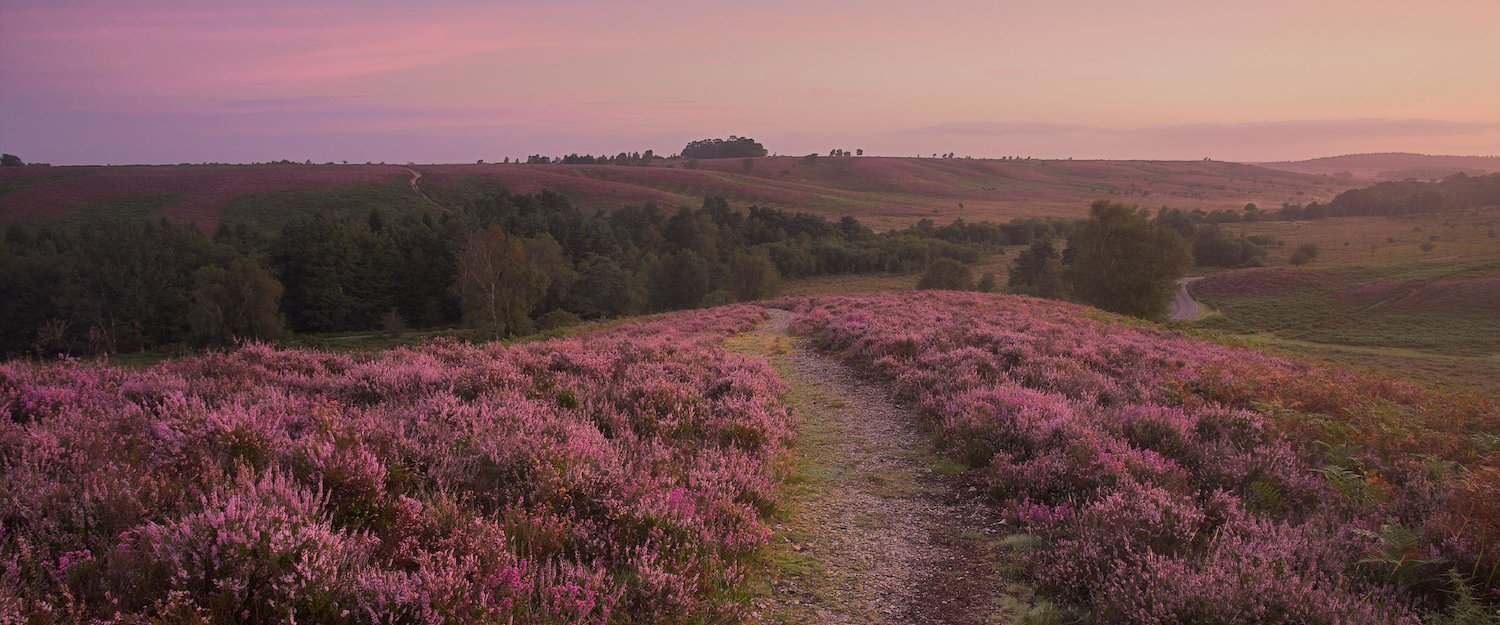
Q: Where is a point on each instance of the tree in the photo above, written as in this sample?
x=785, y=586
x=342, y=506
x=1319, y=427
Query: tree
x=1039, y=271
x=946, y=273
x=605, y=289
x=680, y=281
x=10, y=160
x=240, y=301
x=752, y=277
x=733, y=147
x=497, y=284
x=314, y=258
x=1123, y=263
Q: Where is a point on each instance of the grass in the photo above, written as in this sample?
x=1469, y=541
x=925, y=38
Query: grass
x=18, y=183
x=1381, y=304
x=1380, y=241
x=268, y=212
x=151, y=206
x=807, y=473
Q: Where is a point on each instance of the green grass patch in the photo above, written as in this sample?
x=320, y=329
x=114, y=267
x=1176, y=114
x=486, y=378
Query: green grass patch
x=126, y=207
x=11, y=186
x=269, y=212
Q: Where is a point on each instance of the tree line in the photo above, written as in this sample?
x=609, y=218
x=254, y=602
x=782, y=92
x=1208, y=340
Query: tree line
x=504, y=264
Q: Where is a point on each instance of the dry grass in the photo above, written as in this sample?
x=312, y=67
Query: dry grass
x=1376, y=241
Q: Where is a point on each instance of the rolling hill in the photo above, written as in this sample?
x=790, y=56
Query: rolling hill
x=1390, y=166
x=885, y=192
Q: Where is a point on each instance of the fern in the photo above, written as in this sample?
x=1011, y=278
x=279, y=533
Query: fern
x=1347, y=481
x=1397, y=555
x=1266, y=497
x=1463, y=607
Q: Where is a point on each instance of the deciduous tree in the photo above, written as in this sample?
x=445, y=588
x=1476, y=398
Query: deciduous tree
x=1123, y=263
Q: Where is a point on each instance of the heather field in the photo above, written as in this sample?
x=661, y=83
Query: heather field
x=199, y=194
x=1158, y=479
x=895, y=192
x=1082, y=468
x=883, y=192
x=616, y=478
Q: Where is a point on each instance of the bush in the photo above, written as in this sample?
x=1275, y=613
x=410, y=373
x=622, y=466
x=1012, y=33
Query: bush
x=946, y=274
x=1304, y=254
x=620, y=477
x=557, y=319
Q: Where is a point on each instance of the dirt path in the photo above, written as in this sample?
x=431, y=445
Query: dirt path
x=416, y=186
x=877, y=529
x=1184, y=307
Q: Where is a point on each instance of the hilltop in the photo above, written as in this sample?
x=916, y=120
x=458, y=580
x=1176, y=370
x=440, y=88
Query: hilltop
x=1390, y=166
x=884, y=192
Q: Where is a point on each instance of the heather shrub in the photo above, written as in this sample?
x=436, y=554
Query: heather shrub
x=1166, y=480
x=620, y=476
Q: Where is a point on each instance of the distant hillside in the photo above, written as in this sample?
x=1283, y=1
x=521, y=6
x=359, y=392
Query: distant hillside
x=1391, y=166
x=884, y=192
x=201, y=194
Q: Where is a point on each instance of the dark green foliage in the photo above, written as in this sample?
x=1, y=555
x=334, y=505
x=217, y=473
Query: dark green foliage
x=10, y=160
x=1121, y=262
x=605, y=289
x=753, y=277
x=1213, y=247
x=351, y=267
x=946, y=274
x=316, y=261
x=1039, y=271
x=235, y=301
x=1304, y=254
x=733, y=147
x=111, y=285
x=1457, y=192
x=680, y=280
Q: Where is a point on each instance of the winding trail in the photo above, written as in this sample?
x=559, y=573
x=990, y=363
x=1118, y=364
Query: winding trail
x=1184, y=307
x=877, y=530
x=416, y=186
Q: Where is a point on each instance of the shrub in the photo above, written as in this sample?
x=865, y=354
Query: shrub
x=946, y=274
x=1167, y=480
x=1304, y=254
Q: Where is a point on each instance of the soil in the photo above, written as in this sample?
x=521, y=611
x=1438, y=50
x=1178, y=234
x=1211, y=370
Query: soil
x=879, y=528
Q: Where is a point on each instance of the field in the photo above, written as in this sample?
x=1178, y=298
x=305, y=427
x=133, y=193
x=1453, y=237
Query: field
x=883, y=192
x=622, y=479
x=201, y=194
x=879, y=457
x=1374, y=298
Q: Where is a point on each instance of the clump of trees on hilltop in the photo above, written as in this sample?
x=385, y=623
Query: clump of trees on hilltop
x=733, y=147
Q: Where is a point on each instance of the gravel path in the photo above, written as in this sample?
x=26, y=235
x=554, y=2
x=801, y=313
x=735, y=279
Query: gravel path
x=873, y=534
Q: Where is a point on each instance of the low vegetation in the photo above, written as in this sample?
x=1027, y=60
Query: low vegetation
x=1165, y=480
x=622, y=478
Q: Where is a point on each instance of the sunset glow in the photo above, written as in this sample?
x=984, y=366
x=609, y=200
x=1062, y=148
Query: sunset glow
x=167, y=82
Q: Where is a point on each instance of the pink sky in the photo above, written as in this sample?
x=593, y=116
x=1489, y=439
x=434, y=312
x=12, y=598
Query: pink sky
x=454, y=81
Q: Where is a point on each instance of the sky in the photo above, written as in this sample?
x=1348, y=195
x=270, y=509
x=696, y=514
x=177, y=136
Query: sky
x=437, y=81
